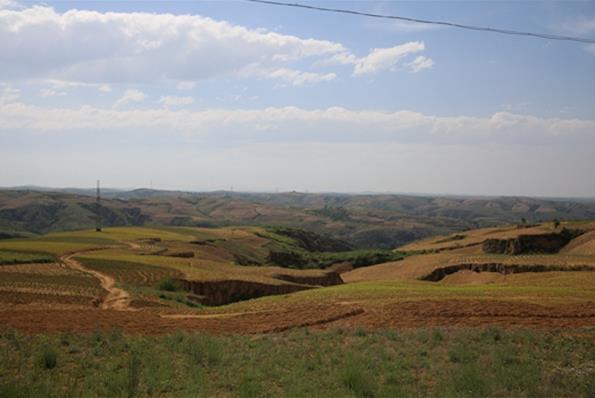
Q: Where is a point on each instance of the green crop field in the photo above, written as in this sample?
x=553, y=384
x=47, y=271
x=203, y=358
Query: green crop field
x=65, y=242
x=51, y=247
x=12, y=257
x=554, y=288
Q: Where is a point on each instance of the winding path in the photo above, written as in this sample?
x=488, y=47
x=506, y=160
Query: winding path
x=116, y=298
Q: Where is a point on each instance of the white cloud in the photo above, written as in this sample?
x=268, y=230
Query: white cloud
x=171, y=101
x=129, y=96
x=57, y=84
x=522, y=106
x=48, y=92
x=408, y=27
x=420, y=63
x=94, y=47
x=296, y=124
x=344, y=58
x=185, y=86
x=581, y=26
x=294, y=77
x=8, y=94
x=9, y=4
x=381, y=59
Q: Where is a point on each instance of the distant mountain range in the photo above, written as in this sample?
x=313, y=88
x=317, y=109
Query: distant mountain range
x=364, y=220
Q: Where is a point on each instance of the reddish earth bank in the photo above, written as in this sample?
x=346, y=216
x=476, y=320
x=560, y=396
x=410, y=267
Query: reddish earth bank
x=229, y=291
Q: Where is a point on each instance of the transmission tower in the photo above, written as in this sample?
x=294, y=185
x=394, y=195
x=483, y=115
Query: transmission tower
x=98, y=209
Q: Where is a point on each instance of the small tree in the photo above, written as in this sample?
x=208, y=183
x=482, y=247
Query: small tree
x=556, y=223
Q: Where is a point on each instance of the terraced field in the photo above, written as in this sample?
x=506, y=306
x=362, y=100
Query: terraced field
x=437, y=257
x=131, y=273
x=474, y=238
x=198, y=267
x=486, y=289
x=140, y=262
x=76, y=241
x=47, y=285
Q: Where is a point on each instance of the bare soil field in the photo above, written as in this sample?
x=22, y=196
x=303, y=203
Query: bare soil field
x=405, y=315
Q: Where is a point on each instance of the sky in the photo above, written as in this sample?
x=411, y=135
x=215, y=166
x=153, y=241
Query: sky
x=208, y=95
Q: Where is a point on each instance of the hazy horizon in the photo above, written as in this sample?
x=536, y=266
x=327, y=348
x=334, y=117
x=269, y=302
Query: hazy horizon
x=209, y=95
x=248, y=191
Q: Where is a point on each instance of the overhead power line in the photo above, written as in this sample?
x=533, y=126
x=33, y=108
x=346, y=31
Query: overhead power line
x=430, y=22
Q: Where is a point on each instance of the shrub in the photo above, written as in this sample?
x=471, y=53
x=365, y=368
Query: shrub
x=506, y=356
x=493, y=333
x=169, y=285
x=97, y=337
x=437, y=336
x=360, y=332
x=12, y=337
x=391, y=334
x=49, y=358
x=116, y=334
x=249, y=387
x=203, y=350
x=133, y=375
x=467, y=381
x=355, y=378
x=461, y=353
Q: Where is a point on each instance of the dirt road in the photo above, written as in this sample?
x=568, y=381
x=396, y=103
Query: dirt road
x=116, y=298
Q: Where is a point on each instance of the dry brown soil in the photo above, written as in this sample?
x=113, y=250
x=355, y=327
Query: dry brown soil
x=412, y=314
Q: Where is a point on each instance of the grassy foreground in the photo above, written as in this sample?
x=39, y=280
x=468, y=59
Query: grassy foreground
x=301, y=363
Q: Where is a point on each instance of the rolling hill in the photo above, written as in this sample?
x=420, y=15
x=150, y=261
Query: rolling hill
x=365, y=221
